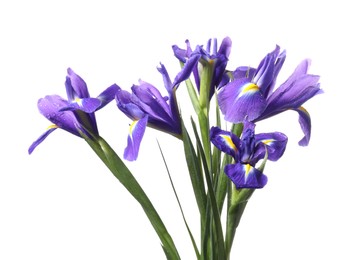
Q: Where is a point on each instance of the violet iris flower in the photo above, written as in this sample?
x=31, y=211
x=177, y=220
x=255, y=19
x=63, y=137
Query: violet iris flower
x=191, y=59
x=246, y=152
x=147, y=107
x=76, y=114
x=251, y=96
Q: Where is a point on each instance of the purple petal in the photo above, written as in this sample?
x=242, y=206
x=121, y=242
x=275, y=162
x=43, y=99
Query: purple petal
x=108, y=95
x=225, y=47
x=75, y=86
x=187, y=69
x=136, y=132
x=151, y=101
x=241, y=100
x=41, y=138
x=225, y=141
x=264, y=75
x=50, y=107
x=245, y=176
x=244, y=72
x=88, y=105
x=274, y=143
x=305, y=124
x=167, y=81
x=126, y=105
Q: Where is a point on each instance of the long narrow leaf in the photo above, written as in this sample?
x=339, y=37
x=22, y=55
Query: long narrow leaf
x=195, y=173
x=123, y=174
x=179, y=204
x=212, y=199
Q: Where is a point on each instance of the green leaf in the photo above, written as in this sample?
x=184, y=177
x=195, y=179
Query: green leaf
x=219, y=240
x=122, y=173
x=195, y=173
x=180, y=206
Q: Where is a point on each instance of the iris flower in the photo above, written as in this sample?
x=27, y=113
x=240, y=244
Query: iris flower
x=76, y=114
x=251, y=95
x=247, y=151
x=147, y=107
x=191, y=59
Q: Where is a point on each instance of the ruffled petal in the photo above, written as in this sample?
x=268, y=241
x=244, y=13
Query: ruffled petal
x=241, y=100
x=245, y=176
x=136, y=132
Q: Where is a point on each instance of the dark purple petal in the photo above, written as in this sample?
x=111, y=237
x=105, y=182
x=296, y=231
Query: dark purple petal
x=187, y=69
x=241, y=100
x=274, y=143
x=167, y=81
x=225, y=141
x=245, y=176
x=136, y=132
x=75, y=86
x=41, y=138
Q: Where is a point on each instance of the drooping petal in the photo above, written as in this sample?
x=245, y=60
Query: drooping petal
x=305, y=124
x=241, y=100
x=274, y=143
x=245, y=176
x=41, y=138
x=136, y=132
x=225, y=141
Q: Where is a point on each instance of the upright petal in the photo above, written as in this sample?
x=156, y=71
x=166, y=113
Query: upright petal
x=136, y=132
x=75, y=86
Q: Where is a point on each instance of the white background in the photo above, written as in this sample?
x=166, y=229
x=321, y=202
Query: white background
x=62, y=203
